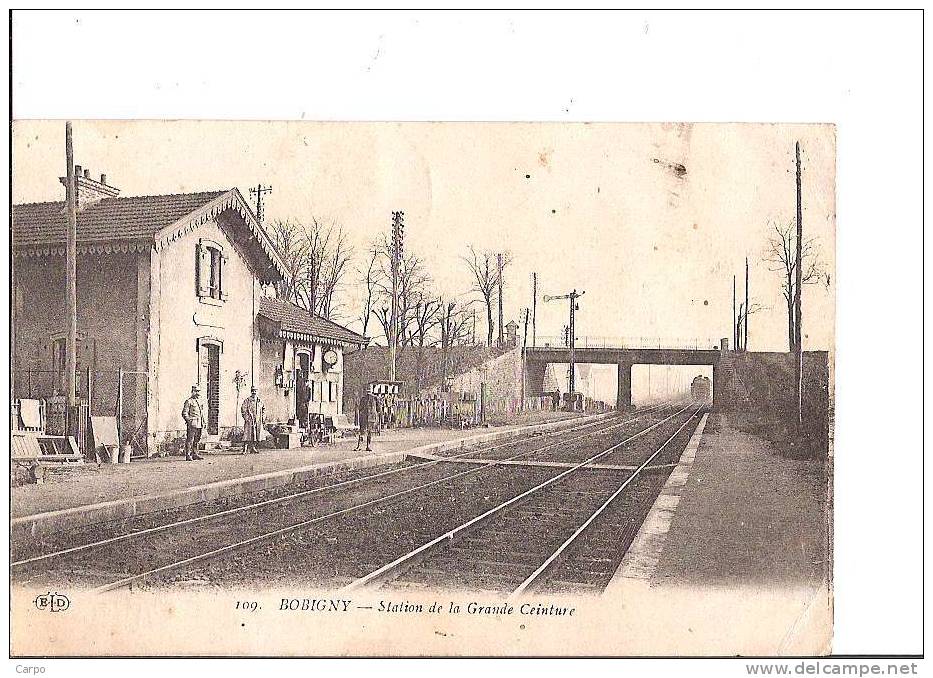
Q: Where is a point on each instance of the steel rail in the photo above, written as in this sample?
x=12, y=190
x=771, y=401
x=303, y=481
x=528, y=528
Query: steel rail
x=386, y=571
x=126, y=581
x=305, y=493
x=549, y=562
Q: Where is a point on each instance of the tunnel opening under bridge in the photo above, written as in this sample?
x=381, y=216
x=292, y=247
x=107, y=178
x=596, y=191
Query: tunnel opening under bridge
x=652, y=383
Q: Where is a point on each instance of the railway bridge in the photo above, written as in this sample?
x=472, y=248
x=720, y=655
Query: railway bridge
x=538, y=358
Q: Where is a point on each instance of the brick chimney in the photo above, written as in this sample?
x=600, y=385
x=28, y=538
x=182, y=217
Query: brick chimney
x=90, y=190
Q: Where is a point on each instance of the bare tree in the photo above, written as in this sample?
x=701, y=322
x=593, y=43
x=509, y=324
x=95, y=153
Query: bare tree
x=294, y=248
x=426, y=316
x=742, y=321
x=485, y=271
x=335, y=258
x=384, y=316
x=413, y=285
x=369, y=279
x=455, y=325
x=503, y=259
x=781, y=254
x=316, y=259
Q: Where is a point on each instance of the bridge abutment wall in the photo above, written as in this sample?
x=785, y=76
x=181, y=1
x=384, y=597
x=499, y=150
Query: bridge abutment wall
x=624, y=387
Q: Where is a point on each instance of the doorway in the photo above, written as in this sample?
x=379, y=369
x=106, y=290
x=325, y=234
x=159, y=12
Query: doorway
x=210, y=378
x=302, y=395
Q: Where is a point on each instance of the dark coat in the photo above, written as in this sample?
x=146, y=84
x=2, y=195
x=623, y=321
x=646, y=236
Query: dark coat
x=365, y=412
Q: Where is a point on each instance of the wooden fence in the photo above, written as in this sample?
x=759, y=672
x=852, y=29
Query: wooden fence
x=410, y=412
x=437, y=410
x=440, y=411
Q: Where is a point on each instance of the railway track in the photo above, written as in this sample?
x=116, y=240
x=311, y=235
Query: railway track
x=523, y=542
x=116, y=561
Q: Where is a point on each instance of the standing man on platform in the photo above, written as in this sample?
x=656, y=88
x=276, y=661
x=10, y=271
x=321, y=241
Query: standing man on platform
x=193, y=414
x=366, y=421
x=253, y=416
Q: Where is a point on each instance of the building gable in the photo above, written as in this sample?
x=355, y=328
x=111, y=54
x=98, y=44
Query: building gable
x=138, y=223
x=235, y=218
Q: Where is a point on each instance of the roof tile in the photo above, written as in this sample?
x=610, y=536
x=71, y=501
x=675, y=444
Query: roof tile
x=110, y=219
x=293, y=318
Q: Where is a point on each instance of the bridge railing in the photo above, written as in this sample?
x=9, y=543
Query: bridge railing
x=588, y=341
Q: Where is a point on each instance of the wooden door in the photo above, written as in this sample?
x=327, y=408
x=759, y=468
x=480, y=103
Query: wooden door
x=302, y=395
x=213, y=389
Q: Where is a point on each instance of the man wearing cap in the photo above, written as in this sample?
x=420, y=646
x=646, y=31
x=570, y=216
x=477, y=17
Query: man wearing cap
x=251, y=409
x=193, y=414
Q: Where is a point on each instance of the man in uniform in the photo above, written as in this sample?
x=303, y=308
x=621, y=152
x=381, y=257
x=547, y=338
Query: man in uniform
x=366, y=420
x=193, y=414
x=251, y=409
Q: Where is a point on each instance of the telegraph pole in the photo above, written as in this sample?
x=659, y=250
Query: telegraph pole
x=534, y=309
x=398, y=235
x=499, y=265
x=258, y=193
x=735, y=321
x=745, y=326
x=798, y=285
x=740, y=324
x=525, y=337
x=524, y=348
x=71, y=256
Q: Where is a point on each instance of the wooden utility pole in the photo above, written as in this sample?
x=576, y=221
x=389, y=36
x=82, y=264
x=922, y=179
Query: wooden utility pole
x=252, y=338
x=738, y=326
x=499, y=266
x=735, y=320
x=525, y=337
x=745, y=326
x=798, y=286
x=524, y=348
x=258, y=193
x=534, y=309
x=398, y=234
x=71, y=256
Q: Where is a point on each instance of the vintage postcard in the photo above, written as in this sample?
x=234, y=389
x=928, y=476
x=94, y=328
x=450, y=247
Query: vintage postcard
x=408, y=389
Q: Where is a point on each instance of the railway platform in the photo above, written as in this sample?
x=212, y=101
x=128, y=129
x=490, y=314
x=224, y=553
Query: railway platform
x=738, y=529
x=746, y=515
x=79, y=495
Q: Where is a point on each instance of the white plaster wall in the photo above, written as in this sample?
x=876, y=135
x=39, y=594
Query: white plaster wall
x=231, y=322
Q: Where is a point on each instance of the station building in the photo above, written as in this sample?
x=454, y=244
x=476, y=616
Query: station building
x=170, y=292
x=304, y=353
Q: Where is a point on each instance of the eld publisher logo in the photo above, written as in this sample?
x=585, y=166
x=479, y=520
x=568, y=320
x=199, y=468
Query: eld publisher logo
x=52, y=602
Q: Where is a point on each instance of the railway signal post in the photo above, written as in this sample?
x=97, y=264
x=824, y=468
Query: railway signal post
x=574, y=307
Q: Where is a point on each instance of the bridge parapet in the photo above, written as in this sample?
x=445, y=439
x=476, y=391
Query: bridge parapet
x=591, y=341
x=630, y=356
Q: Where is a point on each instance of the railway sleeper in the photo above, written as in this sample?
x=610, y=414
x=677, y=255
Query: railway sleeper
x=484, y=560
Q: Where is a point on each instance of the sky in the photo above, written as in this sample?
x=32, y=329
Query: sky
x=651, y=220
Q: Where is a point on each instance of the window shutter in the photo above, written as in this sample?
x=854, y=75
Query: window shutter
x=221, y=265
x=203, y=270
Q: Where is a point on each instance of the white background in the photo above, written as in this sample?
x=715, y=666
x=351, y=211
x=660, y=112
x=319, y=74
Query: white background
x=859, y=70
